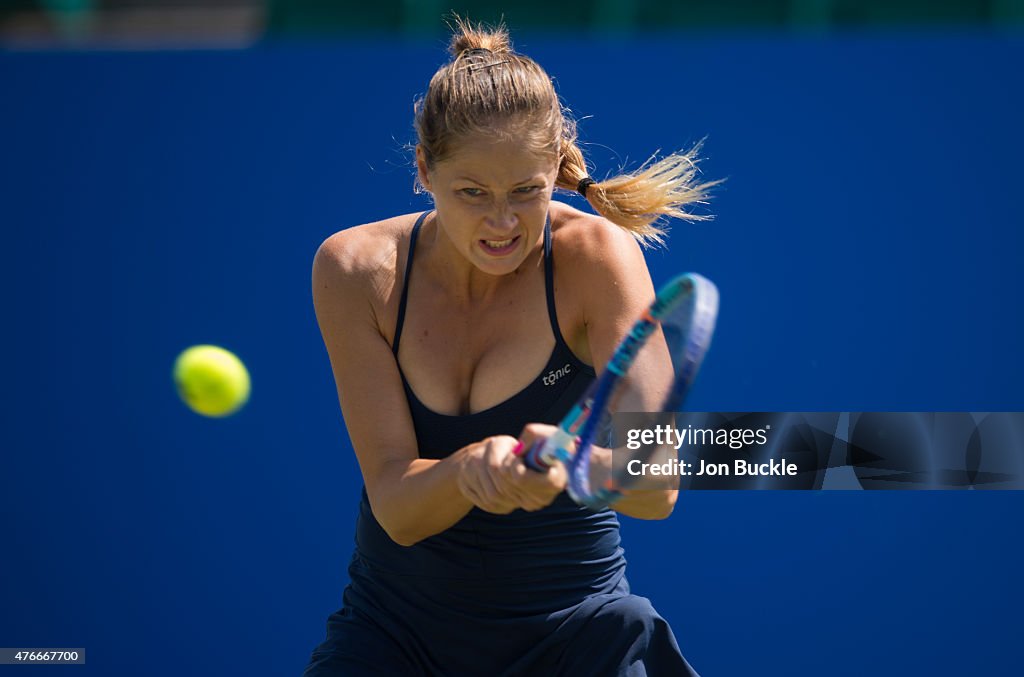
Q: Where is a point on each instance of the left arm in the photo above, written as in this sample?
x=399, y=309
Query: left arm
x=614, y=289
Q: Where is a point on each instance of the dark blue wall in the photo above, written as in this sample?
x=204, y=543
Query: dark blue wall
x=867, y=245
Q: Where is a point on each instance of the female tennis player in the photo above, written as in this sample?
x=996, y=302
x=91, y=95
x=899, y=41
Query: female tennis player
x=457, y=336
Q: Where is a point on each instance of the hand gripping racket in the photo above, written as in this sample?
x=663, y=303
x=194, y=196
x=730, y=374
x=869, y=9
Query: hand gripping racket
x=684, y=310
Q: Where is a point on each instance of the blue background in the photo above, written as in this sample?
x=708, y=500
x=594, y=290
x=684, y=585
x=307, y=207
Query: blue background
x=867, y=245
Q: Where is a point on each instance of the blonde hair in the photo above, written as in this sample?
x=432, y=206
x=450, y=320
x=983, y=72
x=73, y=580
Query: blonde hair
x=487, y=88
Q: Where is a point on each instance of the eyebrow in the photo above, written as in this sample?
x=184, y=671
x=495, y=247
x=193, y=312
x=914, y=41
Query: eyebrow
x=538, y=177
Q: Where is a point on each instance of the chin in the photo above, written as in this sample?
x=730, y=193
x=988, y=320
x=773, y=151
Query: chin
x=498, y=268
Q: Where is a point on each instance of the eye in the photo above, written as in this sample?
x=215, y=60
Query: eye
x=522, y=190
x=471, y=192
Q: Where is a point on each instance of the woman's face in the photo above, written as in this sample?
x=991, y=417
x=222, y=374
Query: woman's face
x=492, y=199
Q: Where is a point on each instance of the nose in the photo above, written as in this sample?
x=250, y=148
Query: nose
x=502, y=218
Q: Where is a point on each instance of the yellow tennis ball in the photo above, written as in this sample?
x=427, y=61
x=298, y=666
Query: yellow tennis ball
x=211, y=380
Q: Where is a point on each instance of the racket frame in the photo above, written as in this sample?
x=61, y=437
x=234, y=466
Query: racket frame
x=571, y=443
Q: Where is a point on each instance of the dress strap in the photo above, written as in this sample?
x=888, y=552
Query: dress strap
x=549, y=281
x=405, y=283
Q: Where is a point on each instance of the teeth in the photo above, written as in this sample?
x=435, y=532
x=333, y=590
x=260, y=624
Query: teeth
x=498, y=244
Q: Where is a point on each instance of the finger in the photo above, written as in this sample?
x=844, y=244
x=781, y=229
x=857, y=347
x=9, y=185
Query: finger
x=553, y=478
x=534, y=506
x=558, y=475
x=486, y=502
x=511, y=459
x=476, y=485
x=478, y=481
x=533, y=490
x=525, y=487
x=495, y=490
x=521, y=480
x=533, y=432
x=511, y=482
x=469, y=490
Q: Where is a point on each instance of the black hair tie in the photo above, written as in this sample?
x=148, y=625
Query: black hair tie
x=585, y=182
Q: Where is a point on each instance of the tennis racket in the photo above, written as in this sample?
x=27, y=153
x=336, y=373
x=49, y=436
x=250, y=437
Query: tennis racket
x=667, y=346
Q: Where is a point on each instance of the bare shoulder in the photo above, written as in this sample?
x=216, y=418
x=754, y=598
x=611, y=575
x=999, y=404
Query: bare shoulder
x=589, y=245
x=601, y=281
x=355, y=270
x=360, y=251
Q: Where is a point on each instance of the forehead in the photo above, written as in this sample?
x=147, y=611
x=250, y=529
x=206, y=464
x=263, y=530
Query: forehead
x=498, y=160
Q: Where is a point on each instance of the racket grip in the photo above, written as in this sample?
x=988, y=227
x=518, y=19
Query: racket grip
x=543, y=454
x=533, y=457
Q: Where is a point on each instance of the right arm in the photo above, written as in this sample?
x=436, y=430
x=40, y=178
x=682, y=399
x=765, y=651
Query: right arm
x=399, y=484
x=412, y=498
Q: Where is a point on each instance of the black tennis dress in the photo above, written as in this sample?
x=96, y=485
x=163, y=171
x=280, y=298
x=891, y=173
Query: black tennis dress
x=541, y=593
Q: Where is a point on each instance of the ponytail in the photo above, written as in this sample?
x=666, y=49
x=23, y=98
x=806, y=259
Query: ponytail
x=637, y=201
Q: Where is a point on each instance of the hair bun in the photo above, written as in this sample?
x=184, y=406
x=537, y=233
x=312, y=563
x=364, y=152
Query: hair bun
x=470, y=37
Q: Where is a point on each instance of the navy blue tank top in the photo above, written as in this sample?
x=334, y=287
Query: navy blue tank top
x=548, y=397
x=523, y=562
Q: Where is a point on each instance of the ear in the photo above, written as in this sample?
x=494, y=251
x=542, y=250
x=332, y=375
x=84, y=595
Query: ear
x=422, y=173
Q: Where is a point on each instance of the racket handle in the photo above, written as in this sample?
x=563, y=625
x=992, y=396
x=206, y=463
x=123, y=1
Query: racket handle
x=534, y=457
x=543, y=454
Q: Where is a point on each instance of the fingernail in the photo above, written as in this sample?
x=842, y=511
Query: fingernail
x=518, y=451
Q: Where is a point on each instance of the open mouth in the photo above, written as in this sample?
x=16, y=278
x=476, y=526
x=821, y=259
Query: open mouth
x=499, y=247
